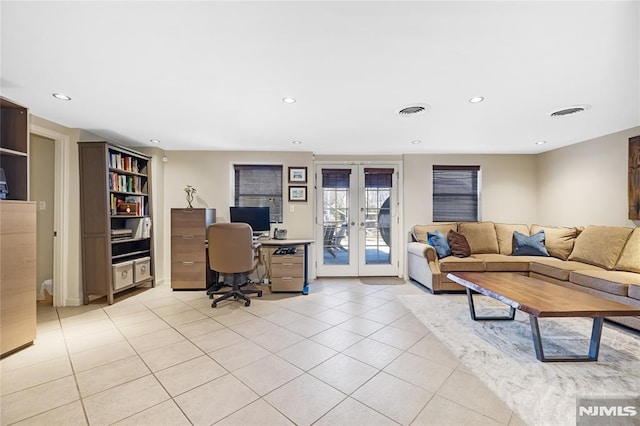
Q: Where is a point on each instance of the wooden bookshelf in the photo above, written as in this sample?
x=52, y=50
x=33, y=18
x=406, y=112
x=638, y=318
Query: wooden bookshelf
x=116, y=220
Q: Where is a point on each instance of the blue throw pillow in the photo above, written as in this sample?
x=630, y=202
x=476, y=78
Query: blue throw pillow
x=529, y=246
x=438, y=240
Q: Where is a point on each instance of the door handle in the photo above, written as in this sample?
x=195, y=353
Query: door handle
x=353, y=223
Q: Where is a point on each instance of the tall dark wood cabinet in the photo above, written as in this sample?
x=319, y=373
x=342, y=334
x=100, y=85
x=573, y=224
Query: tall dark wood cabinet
x=189, y=266
x=14, y=150
x=116, y=220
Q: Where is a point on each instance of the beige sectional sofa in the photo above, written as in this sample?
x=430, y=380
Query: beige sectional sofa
x=601, y=260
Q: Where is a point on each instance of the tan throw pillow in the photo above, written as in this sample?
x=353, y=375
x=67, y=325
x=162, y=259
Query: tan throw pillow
x=558, y=240
x=600, y=245
x=504, y=232
x=630, y=257
x=419, y=232
x=458, y=244
x=480, y=235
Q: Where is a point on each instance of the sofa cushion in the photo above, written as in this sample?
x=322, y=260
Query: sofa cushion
x=503, y=263
x=558, y=269
x=529, y=245
x=630, y=256
x=458, y=244
x=634, y=291
x=504, y=233
x=613, y=282
x=461, y=264
x=419, y=232
x=558, y=240
x=600, y=245
x=439, y=242
x=480, y=235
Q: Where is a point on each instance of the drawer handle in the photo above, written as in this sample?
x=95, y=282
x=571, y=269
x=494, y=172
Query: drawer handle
x=287, y=278
x=187, y=237
x=287, y=264
x=188, y=263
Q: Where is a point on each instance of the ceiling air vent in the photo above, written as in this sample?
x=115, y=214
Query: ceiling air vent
x=570, y=111
x=411, y=110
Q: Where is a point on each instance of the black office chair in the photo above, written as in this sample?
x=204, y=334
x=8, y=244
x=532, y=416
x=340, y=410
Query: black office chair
x=232, y=251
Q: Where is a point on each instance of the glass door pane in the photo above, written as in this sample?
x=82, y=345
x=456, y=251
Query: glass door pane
x=336, y=199
x=378, y=197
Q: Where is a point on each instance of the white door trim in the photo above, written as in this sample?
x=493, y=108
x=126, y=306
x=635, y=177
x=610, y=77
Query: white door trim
x=60, y=212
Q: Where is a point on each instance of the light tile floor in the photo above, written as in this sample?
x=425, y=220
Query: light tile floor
x=347, y=354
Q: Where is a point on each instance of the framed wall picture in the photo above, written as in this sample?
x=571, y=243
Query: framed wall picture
x=297, y=193
x=297, y=175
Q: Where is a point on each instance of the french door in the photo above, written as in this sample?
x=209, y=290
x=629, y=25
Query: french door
x=357, y=220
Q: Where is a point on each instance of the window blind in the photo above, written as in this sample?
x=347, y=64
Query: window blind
x=259, y=186
x=455, y=193
x=378, y=178
x=335, y=178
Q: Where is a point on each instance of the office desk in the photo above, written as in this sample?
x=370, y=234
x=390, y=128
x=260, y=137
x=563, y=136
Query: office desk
x=285, y=266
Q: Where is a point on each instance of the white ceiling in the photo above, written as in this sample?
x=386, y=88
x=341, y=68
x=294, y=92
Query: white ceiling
x=211, y=75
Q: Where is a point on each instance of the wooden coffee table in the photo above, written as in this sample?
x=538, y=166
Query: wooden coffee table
x=542, y=299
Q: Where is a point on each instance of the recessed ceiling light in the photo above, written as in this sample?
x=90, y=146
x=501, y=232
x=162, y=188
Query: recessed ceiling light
x=289, y=100
x=416, y=142
x=476, y=100
x=297, y=142
x=154, y=141
x=541, y=142
x=61, y=97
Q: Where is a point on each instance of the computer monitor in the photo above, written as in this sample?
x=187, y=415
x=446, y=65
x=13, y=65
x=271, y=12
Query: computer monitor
x=256, y=217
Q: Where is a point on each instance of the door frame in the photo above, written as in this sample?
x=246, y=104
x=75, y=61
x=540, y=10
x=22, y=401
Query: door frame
x=60, y=212
x=397, y=238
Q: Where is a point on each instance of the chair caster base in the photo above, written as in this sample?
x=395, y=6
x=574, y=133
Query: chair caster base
x=260, y=293
x=214, y=304
x=247, y=303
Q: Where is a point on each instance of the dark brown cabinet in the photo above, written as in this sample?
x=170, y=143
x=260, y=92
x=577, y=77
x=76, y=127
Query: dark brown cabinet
x=14, y=149
x=189, y=267
x=116, y=220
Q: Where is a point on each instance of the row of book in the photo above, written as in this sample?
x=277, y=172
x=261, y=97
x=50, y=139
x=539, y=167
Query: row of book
x=124, y=183
x=123, y=162
x=133, y=228
x=131, y=205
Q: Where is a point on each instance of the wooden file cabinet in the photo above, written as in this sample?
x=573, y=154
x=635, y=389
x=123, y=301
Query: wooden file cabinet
x=18, y=274
x=189, y=267
x=287, y=271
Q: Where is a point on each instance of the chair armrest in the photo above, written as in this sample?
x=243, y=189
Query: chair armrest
x=256, y=245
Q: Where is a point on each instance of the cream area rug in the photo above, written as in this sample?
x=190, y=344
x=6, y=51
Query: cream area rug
x=502, y=355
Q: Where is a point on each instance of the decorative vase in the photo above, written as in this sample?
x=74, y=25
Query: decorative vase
x=189, y=199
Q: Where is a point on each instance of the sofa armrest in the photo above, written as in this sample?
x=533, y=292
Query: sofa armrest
x=423, y=265
x=428, y=252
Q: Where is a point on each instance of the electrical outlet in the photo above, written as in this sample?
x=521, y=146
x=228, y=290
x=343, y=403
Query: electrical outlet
x=42, y=205
x=292, y=208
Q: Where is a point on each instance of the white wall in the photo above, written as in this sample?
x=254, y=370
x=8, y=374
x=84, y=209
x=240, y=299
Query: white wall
x=586, y=183
x=508, y=187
